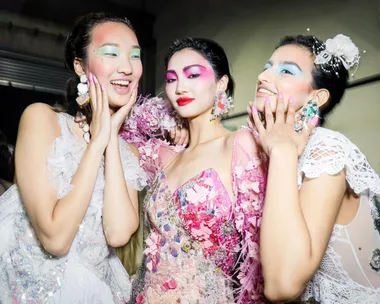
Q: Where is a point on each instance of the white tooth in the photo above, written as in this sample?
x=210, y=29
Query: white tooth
x=265, y=91
x=120, y=82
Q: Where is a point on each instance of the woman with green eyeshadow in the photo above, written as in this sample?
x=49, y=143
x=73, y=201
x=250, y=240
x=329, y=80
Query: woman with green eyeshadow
x=77, y=182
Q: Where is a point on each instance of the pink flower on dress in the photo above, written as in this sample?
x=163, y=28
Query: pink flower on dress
x=152, y=250
x=140, y=299
x=171, y=284
x=209, y=182
x=197, y=194
x=247, y=185
x=239, y=170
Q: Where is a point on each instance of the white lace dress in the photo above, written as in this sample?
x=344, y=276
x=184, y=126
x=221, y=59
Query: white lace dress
x=350, y=270
x=91, y=272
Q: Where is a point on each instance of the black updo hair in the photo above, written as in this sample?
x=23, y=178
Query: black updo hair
x=210, y=50
x=76, y=46
x=335, y=81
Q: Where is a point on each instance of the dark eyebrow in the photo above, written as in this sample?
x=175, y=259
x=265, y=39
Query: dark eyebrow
x=193, y=65
x=291, y=63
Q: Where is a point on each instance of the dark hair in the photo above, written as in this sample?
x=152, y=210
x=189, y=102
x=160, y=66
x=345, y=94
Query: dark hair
x=6, y=159
x=76, y=46
x=335, y=81
x=209, y=49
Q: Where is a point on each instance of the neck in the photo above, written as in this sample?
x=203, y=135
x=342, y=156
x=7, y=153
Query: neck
x=203, y=130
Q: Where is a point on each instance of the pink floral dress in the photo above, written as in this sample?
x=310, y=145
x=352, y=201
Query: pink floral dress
x=203, y=246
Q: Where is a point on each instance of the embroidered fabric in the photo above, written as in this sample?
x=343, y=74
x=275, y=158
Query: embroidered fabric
x=345, y=275
x=203, y=245
x=91, y=271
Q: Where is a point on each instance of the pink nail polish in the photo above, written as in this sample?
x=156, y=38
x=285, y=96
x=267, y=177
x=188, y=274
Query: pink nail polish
x=267, y=100
x=280, y=95
x=103, y=88
x=95, y=80
x=314, y=121
x=254, y=110
x=291, y=99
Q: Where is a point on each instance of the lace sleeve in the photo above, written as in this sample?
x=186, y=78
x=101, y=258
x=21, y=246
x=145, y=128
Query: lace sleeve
x=134, y=175
x=331, y=152
x=249, y=171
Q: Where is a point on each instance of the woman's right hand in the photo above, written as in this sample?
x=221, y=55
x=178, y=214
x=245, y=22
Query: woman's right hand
x=100, y=126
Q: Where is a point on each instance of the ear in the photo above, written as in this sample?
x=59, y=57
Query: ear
x=222, y=84
x=78, y=66
x=321, y=96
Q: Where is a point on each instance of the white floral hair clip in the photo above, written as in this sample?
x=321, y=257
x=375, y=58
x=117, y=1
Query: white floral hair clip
x=339, y=49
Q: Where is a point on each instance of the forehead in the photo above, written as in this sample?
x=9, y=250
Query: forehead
x=294, y=53
x=187, y=57
x=113, y=32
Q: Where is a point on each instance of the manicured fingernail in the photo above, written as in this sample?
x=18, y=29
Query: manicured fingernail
x=291, y=99
x=95, y=80
x=254, y=110
x=102, y=87
x=91, y=78
x=267, y=100
x=314, y=121
x=280, y=95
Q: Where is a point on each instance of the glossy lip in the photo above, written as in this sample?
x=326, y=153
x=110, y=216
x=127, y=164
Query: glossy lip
x=260, y=94
x=182, y=101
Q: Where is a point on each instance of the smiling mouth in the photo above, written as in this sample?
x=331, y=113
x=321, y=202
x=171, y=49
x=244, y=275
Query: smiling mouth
x=265, y=91
x=122, y=83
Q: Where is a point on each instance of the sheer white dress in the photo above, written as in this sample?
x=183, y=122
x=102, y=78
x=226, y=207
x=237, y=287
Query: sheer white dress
x=91, y=271
x=350, y=270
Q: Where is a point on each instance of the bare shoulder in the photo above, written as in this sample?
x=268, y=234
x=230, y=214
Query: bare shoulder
x=41, y=118
x=38, y=112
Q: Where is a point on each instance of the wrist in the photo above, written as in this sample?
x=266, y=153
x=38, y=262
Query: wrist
x=283, y=149
x=96, y=147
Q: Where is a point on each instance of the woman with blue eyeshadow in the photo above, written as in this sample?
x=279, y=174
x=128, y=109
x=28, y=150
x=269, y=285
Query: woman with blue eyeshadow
x=319, y=233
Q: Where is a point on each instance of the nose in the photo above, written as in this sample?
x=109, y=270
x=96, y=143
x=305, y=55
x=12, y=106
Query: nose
x=266, y=75
x=181, y=87
x=125, y=66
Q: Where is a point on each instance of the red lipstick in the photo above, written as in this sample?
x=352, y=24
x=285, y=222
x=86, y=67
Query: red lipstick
x=183, y=101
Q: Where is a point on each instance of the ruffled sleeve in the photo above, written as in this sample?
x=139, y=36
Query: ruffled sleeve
x=331, y=152
x=249, y=169
x=64, y=157
x=134, y=175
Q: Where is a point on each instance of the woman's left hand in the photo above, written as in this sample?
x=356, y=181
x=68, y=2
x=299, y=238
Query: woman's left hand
x=179, y=136
x=279, y=130
x=118, y=118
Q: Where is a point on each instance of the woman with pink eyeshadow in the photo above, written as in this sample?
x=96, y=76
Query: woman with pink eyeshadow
x=205, y=203
x=77, y=181
x=318, y=239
